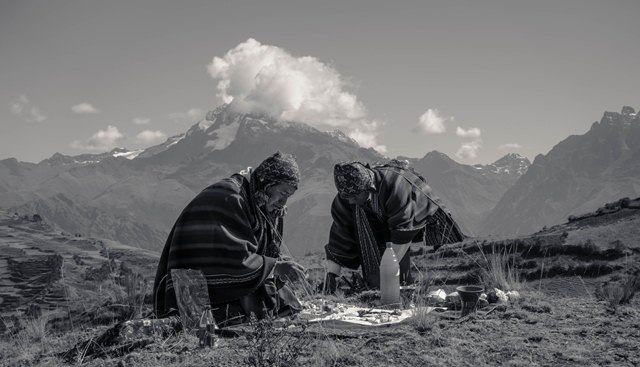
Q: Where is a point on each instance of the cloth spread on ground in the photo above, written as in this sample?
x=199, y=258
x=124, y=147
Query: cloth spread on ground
x=222, y=233
x=401, y=210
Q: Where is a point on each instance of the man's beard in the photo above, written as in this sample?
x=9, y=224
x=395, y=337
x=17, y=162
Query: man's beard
x=278, y=212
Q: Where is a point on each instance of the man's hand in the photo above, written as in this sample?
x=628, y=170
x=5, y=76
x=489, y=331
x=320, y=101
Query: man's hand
x=289, y=271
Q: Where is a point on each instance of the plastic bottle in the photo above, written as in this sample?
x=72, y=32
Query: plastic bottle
x=389, y=278
x=207, y=328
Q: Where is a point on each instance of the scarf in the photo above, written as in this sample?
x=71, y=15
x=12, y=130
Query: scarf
x=369, y=250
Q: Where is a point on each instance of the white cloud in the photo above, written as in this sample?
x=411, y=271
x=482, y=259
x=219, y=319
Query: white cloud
x=24, y=109
x=367, y=139
x=469, y=150
x=148, y=137
x=508, y=146
x=141, y=121
x=84, y=108
x=471, y=133
x=189, y=116
x=103, y=140
x=431, y=122
x=266, y=79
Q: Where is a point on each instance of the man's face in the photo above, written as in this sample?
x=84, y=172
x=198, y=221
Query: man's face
x=358, y=199
x=278, y=195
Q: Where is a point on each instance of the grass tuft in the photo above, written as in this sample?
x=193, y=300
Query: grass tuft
x=618, y=293
x=274, y=345
x=500, y=269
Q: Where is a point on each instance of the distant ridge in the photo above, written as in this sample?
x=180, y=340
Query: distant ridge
x=576, y=176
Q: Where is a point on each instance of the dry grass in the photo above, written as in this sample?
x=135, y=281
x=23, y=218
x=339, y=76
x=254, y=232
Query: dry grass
x=500, y=270
x=30, y=342
x=620, y=292
x=330, y=353
x=421, y=321
x=269, y=344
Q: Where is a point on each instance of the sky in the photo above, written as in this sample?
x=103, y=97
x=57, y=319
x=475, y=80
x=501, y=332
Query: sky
x=473, y=79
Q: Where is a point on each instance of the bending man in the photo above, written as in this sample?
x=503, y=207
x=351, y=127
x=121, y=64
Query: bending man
x=376, y=205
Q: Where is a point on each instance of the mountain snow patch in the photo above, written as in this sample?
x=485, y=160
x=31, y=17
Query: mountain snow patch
x=129, y=155
x=174, y=140
x=205, y=124
x=225, y=135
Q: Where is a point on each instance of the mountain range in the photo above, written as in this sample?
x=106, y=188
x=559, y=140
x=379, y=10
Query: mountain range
x=578, y=175
x=135, y=196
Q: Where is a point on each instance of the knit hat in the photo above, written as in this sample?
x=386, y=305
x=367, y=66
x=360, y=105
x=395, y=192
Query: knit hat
x=276, y=169
x=353, y=178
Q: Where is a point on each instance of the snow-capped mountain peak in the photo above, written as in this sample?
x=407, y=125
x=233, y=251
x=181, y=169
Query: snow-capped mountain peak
x=512, y=164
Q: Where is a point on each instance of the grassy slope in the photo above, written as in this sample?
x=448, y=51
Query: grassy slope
x=558, y=320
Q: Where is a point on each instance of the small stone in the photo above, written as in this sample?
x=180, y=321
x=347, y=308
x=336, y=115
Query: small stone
x=513, y=295
x=437, y=296
x=502, y=297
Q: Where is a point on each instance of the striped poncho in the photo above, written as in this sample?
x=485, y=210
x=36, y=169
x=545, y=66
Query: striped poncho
x=401, y=210
x=222, y=233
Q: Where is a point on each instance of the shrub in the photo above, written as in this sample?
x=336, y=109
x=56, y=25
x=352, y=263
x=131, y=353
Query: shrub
x=270, y=345
x=618, y=293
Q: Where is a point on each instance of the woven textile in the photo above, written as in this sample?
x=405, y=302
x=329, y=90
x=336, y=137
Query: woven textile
x=369, y=248
x=352, y=178
x=402, y=210
x=277, y=169
x=222, y=234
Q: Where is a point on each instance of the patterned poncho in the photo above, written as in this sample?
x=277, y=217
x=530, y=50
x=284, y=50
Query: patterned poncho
x=223, y=234
x=402, y=210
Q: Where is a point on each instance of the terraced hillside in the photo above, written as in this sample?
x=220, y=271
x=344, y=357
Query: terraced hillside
x=43, y=270
x=574, y=258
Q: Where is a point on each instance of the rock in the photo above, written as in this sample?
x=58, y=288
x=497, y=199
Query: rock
x=497, y=296
x=626, y=110
x=513, y=295
x=437, y=296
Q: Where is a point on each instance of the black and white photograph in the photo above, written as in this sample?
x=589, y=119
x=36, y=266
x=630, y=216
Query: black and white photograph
x=319, y=183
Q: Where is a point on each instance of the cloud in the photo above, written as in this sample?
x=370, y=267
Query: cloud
x=508, y=146
x=101, y=141
x=469, y=150
x=141, y=121
x=148, y=137
x=24, y=109
x=84, y=108
x=189, y=116
x=471, y=133
x=265, y=79
x=431, y=122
